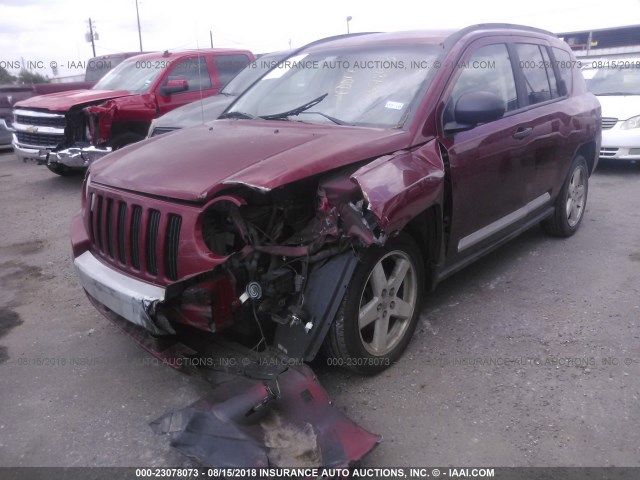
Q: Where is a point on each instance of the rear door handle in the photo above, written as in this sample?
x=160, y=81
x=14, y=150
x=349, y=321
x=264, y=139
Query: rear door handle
x=522, y=133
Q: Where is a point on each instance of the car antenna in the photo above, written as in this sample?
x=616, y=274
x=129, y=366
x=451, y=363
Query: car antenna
x=200, y=80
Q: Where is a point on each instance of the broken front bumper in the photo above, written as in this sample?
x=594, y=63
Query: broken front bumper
x=74, y=157
x=132, y=299
x=77, y=157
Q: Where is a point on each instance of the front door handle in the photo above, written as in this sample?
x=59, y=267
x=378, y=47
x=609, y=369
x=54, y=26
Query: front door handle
x=522, y=133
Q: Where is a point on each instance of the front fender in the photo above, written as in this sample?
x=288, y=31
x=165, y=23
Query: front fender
x=400, y=186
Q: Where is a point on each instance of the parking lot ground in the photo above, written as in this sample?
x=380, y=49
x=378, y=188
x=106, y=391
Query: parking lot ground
x=530, y=357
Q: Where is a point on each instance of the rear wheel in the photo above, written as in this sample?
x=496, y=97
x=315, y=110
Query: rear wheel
x=571, y=201
x=380, y=308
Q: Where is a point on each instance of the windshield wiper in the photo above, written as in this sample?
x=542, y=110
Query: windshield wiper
x=329, y=117
x=237, y=115
x=295, y=111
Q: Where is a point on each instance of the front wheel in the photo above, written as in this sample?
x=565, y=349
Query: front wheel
x=380, y=308
x=571, y=201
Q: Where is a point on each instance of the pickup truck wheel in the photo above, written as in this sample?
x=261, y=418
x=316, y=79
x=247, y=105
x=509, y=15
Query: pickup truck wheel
x=571, y=201
x=125, y=139
x=63, y=170
x=379, y=310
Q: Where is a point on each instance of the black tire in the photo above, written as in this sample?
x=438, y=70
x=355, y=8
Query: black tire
x=125, y=139
x=572, y=197
x=63, y=170
x=356, y=348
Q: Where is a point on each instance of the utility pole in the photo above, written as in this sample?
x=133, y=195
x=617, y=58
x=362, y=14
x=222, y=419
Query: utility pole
x=139, y=32
x=211, y=37
x=90, y=37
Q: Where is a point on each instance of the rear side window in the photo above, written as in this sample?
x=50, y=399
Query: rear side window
x=534, y=70
x=194, y=71
x=565, y=67
x=229, y=65
x=488, y=69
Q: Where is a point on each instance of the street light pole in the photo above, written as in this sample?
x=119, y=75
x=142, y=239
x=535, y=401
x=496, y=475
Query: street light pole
x=349, y=18
x=139, y=32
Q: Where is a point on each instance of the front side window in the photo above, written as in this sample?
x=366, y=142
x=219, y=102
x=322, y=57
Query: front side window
x=488, y=69
x=364, y=86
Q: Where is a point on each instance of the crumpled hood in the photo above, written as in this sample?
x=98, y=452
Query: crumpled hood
x=620, y=107
x=195, y=163
x=63, y=101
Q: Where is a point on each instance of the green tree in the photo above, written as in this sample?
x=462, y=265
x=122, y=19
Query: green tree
x=5, y=76
x=25, y=76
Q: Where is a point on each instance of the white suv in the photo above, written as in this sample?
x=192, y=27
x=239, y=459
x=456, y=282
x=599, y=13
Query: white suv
x=616, y=82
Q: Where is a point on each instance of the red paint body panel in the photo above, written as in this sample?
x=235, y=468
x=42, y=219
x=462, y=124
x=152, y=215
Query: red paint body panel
x=264, y=154
x=399, y=187
x=63, y=101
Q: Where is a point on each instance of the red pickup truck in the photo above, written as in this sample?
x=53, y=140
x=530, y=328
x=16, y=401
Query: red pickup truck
x=67, y=131
x=10, y=94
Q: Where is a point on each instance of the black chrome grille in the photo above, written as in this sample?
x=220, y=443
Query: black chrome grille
x=608, y=122
x=39, y=139
x=153, y=241
x=42, y=121
x=608, y=151
x=122, y=218
x=171, y=246
x=136, y=223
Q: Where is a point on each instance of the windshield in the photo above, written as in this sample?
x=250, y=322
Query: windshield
x=613, y=81
x=98, y=67
x=361, y=86
x=250, y=74
x=130, y=76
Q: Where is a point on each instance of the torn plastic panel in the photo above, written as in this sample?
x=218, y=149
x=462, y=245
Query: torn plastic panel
x=303, y=337
x=285, y=421
x=264, y=410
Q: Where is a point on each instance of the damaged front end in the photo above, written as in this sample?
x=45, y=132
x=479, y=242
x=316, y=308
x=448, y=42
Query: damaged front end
x=261, y=269
x=277, y=265
x=93, y=131
x=86, y=137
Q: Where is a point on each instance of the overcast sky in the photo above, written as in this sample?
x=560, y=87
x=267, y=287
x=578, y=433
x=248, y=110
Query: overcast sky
x=54, y=30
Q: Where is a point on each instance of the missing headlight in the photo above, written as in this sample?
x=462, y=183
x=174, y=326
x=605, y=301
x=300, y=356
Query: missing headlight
x=222, y=231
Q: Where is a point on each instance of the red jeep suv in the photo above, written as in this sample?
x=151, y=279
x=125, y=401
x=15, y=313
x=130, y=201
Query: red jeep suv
x=343, y=185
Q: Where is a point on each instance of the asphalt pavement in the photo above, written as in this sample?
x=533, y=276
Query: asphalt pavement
x=529, y=357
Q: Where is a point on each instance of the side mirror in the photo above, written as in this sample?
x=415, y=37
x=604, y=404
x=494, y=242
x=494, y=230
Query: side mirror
x=174, y=86
x=478, y=107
